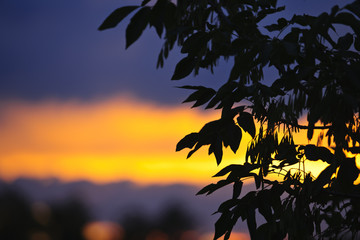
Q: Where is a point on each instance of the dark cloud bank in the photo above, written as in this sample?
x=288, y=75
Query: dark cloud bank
x=110, y=202
x=52, y=49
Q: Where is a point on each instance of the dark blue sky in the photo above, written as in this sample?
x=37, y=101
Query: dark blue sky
x=52, y=49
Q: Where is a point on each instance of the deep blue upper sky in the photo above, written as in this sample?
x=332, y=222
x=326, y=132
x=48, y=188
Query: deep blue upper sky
x=52, y=49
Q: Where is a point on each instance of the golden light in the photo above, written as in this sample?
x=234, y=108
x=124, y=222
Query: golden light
x=102, y=141
x=103, y=231
x=107, y=140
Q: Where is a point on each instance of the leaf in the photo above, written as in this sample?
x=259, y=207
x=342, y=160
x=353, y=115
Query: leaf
x=310, y=131
x=228, y=205
x=183, y=68
x=222, y=225
x=116, y=17
x=238, y=169
x=257, y=181
x=314, y=153
x=225, y=91
x=251, y=222
x=137, y=25
x=213, y=187
x=264, y=230
x=227, y=169
x=354, y=7
x=281, y=23
x=207, y=135
x=232, y=136
x=235, y=71
x=291, y=48
x=303, y=20
x=345, y=42
x=201, y=96
x=246, y=122
x=188, y=141
x=197, y=147
x=349, y=20
x=265, y=12
x=347, y=174
x=237, y=189
x=195, y=42
x=216, y=148
x=324, y=177
x=264, y=200
x=157, y=16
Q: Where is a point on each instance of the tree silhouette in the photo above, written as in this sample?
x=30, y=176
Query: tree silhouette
x=172, y=222
x=21, y=219
x=316, y=91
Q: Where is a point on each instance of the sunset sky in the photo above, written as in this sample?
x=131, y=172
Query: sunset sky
x=75, y=105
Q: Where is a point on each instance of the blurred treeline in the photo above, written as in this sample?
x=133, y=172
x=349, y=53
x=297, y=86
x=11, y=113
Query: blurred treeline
x=70, y=220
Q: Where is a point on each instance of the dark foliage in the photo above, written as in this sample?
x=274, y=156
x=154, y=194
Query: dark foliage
x=172, y=222
x=318, y=67
x=20, y=219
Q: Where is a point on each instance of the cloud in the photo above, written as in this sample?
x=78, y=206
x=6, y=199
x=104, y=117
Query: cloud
x=114, y=139
x=119, y=138
x=111, y=202
x=53, y=49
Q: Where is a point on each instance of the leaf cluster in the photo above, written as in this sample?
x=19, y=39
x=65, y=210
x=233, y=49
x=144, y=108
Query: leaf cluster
x=317, y=62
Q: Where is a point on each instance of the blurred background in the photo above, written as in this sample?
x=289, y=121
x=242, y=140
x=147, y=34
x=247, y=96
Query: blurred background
x=88, y=130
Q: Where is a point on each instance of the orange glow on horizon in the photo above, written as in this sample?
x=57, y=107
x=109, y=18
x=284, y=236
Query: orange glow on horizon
x=115, y=139
x=102, y=141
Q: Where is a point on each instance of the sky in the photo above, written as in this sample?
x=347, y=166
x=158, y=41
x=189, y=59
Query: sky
x=75, y=105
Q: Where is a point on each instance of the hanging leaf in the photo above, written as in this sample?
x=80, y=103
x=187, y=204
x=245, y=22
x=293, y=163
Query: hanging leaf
x=303, y=20
x=264, y=201
x=116, y=17
x=315, y=153
x=251, y=222
x=347, y=174
x=281, y=23
x=228, y=169
x=232, y=136
x=222, y=224
x=137, y=25
x=257, y=179
x=237, y=189
x=239, y=170
x=310, y=131
x=188, y=141
x=195, y=42
x=213, y=187
x=216, y=148
x=345, y=42
x=201, y=96
x=183, y=68
x=246, y=122
x=324, y=177
x=157, y=16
